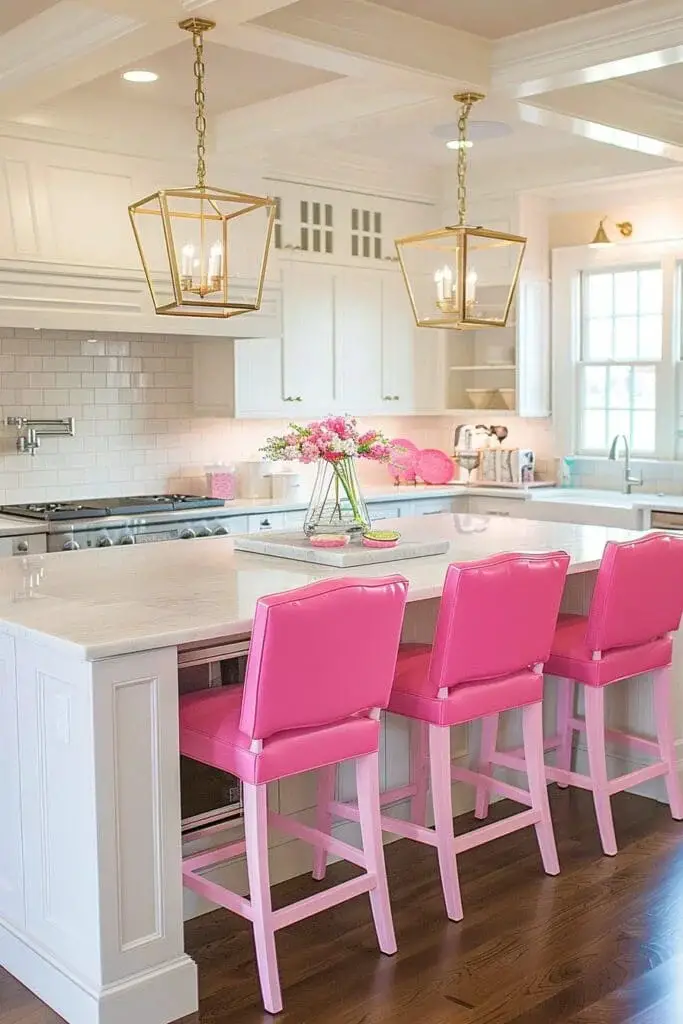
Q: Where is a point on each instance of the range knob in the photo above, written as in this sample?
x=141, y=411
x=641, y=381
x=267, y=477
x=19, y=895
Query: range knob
x=104, y=541
x=22, y=547
x=71, y=545
x=221, y=531
x=127, y=538
x=187, y=534
x=203, y=531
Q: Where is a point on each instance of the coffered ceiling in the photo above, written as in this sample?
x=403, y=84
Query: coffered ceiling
x=577, y=89
x=494, y=19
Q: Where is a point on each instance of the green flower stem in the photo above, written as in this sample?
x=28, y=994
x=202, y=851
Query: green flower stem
x=343, y=475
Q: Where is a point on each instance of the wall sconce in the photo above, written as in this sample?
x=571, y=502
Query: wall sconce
x=625, y=229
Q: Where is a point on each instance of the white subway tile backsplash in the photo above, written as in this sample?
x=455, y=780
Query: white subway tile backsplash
x=136, y=431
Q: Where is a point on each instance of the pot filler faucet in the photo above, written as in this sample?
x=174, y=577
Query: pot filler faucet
x=31, y=431
x=629, y=481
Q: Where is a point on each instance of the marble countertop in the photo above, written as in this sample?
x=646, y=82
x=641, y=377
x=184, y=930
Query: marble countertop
x=106, y=602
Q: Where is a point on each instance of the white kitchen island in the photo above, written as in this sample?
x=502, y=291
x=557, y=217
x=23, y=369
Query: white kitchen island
x=91, y=903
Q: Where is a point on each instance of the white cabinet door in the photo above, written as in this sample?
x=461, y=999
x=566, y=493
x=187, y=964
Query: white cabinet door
x=358, y=340
x=398, y=346
x=308, y=353
x=258, y=379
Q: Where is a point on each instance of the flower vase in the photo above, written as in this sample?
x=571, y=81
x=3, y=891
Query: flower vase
x=336, y=504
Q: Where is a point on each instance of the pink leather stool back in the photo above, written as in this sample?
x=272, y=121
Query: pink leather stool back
x=321, y=654
x=497, y=617
x=638, y=594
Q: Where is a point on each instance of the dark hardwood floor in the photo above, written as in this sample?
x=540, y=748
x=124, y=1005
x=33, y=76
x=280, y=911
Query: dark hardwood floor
x=601, y=944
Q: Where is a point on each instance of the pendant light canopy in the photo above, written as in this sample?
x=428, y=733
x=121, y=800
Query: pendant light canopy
x=203, y=249
x=461, y=277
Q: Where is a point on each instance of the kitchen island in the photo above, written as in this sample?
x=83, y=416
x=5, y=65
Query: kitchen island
x=91, y=903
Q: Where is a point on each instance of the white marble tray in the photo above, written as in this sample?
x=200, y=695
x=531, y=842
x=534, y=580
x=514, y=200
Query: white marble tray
x=295, y=545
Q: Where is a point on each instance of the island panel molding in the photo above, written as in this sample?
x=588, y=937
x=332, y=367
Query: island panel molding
x=12, y=906
x=102, y=942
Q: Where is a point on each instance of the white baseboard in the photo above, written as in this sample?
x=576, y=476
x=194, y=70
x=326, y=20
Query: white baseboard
x=166, y=993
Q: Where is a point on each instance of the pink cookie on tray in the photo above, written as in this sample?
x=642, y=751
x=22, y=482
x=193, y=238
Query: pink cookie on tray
x=329, y=540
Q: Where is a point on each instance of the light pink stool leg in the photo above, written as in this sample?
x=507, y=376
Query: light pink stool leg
x=597, y=760
x=532, y=724
x=440, y=771
x=327, y=777
x=419, y=763
x=489, y=738
x=665, y=738
x=256, y=834
x=367, y=784
x=565, y=711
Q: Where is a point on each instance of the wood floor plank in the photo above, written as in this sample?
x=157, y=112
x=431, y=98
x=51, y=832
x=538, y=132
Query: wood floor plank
x=600, y=944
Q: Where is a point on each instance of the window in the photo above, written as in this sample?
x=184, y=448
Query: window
x=316, y=227
x=621, y=331
x=366, y=234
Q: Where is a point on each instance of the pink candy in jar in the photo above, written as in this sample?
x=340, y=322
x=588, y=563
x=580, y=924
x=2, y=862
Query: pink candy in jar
x=222, y=482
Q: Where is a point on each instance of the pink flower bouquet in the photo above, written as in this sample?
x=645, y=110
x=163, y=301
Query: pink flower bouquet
x=334, y=443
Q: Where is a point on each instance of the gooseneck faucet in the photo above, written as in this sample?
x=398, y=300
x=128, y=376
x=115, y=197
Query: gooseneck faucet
x=629, y=481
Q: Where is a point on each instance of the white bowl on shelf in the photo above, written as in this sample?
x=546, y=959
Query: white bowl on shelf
x=508, y=397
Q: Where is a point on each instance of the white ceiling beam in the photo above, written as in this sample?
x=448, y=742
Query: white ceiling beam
x=625, y=108
x=624, y=40
x=587, y=126
x=388, y=38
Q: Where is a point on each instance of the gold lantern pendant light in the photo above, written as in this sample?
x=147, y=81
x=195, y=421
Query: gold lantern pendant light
x=204, y=250
x=461, y=277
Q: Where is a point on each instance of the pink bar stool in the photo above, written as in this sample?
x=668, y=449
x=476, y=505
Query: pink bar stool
x=311, y=699
x=470, y=673
x=636, y=606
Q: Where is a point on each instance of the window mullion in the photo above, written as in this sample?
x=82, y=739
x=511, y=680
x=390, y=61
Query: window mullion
x=665, y=419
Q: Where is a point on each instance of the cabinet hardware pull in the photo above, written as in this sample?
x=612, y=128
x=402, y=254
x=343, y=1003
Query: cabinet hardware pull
x=493, y=512
x=298, y=398
x=396, y=398
x=386, y=398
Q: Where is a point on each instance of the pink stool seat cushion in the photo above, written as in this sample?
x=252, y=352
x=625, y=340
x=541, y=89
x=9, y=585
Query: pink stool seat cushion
x=413, y=696
x=572, y=658
x=210, y=733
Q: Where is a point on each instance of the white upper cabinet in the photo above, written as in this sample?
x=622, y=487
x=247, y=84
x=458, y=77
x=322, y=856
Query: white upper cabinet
x=401, y=352
x=309, y=371
x=358, y=339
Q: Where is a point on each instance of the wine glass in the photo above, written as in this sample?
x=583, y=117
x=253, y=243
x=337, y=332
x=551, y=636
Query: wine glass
x=469, y=460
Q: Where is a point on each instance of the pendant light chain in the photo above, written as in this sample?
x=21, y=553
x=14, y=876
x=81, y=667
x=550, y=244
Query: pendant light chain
x=467, y=104
x=200, y=105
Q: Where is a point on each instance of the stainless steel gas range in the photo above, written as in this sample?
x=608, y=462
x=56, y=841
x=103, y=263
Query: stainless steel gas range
x=105, y=522
x=208, y=797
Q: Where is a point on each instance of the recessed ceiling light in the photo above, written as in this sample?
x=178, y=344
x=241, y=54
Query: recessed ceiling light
x=457, y=144
x=138, y=75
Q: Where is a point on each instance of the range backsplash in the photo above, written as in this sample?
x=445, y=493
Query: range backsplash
x=131, y=396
